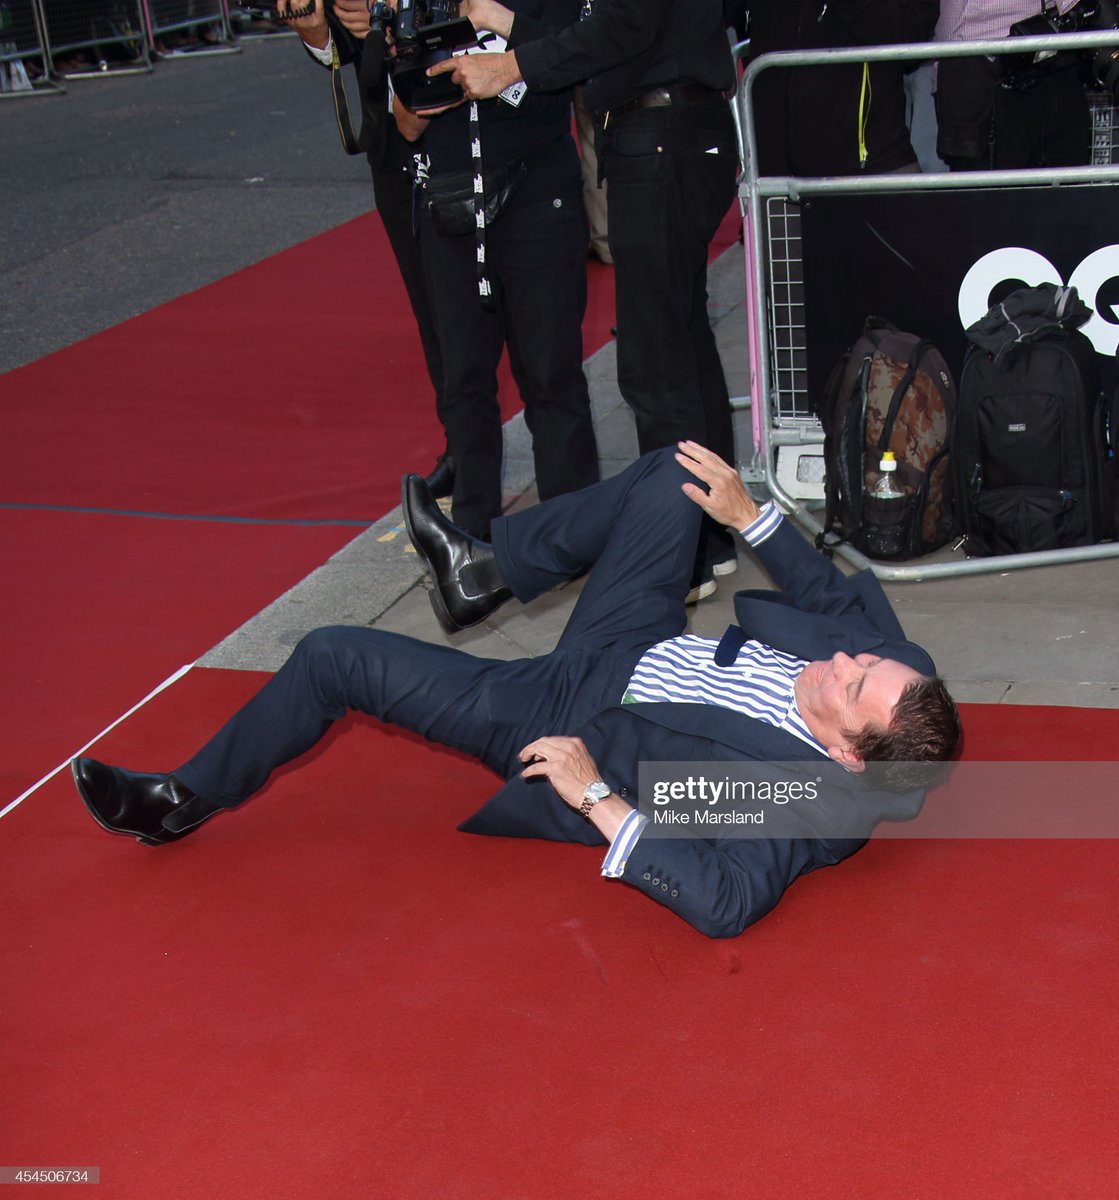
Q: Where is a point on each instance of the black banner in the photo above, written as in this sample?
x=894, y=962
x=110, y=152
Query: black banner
x=934, y=262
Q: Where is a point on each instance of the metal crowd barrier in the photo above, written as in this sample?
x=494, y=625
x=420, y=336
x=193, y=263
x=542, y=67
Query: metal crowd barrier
x=165, y=18
x=252, y=20
x=25, y=63
x=39, y=39
x=1105, y=129
x=782, y=415
x=112, y=30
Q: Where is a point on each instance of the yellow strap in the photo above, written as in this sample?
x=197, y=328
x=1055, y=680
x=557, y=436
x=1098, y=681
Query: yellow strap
x=864, y=112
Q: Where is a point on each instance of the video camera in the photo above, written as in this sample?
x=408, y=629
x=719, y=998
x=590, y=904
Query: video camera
x=424, y=32
x=1022, y=71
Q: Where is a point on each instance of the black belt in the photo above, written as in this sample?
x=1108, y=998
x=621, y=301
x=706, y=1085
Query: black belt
x=664, y=97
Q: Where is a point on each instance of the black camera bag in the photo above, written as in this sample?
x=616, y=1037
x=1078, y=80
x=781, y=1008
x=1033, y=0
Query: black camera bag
x=1031, y=449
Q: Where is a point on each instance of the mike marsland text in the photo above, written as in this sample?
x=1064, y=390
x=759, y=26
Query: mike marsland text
x=708, y=816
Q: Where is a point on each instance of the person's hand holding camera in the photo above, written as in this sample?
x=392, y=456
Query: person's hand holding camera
x=310, y=25
x=482, y=76
x=354, y=15
x=487, y=14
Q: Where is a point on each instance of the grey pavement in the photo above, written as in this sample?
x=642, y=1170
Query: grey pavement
x=130, y=190
x=127, y=192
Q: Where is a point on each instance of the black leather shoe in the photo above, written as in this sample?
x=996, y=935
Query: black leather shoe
x=153, y=809
x=468, y=583
x=441, y=481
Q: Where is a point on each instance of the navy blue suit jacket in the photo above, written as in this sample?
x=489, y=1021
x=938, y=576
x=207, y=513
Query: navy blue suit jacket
x=722, y=885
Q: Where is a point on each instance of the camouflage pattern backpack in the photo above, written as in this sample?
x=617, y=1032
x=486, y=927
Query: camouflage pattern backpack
x=890, y=391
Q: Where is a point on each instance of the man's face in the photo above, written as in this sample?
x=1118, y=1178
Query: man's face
x=845, y=693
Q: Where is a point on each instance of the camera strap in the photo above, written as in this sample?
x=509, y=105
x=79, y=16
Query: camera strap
x=485, y=291
x=341, y=105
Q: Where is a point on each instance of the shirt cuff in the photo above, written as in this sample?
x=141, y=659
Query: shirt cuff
x=323, y=55
x=763, y=525
x=631, y=829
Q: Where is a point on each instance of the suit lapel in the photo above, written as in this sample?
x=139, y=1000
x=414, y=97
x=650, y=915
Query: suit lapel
x=769, y=617
x=746, y=735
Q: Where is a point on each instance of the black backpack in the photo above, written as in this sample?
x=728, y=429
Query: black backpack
x=890, y=391
x=1031, y=451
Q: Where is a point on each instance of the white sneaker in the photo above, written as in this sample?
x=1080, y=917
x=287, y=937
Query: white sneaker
x=728, y=566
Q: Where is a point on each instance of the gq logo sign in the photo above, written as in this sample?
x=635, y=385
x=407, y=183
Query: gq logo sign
x=1019, y=263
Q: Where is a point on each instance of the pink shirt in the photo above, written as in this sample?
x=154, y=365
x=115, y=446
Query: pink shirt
x=976, y=19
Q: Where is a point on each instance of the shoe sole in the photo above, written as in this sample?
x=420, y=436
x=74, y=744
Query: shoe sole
x=446, y=621
x=701, y=591
x=727, y=567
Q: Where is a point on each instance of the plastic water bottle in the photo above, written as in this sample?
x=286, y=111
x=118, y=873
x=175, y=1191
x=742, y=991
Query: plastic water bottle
x=884, y=512
x=887, y=486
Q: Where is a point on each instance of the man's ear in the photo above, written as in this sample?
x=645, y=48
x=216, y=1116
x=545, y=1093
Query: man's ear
x=847, y=759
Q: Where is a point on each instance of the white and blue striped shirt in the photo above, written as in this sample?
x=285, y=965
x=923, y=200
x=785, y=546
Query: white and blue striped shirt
x=759, y=684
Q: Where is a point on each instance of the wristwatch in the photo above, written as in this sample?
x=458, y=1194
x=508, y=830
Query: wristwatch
x=595, y=792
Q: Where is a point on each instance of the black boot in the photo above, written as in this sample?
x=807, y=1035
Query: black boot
x=441, y=481
x=153, y=809
x=468, y=583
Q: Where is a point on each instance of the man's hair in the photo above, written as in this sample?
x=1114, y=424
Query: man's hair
x=924, y=728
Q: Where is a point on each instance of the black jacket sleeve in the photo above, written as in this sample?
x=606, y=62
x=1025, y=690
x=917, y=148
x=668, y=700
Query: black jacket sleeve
x=616, y=31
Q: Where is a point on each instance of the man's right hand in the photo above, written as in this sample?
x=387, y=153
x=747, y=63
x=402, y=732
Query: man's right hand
x=726, y=500
x=312, y=29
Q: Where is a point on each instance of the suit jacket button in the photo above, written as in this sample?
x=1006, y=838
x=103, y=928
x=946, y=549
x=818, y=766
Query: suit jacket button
x=664, y=887
x=655, y=882
x=674, y=892
x=646, y=876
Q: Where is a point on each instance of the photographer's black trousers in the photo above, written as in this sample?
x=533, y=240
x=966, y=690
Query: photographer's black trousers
x=392, y=192
x=537, y=263
x=671, y=178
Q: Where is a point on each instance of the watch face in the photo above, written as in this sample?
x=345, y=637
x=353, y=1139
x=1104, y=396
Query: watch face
x=597, y=791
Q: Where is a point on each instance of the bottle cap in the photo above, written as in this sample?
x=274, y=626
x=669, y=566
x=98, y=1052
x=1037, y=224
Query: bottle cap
x=889, y=462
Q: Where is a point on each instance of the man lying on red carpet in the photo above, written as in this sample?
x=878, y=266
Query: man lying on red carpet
x=819, y=670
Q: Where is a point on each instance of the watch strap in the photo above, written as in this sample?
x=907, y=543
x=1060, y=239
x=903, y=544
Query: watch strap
x=596, y=791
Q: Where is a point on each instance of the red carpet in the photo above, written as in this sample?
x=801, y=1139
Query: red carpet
x=333, y=993
x=292, y=389
x=98, y=610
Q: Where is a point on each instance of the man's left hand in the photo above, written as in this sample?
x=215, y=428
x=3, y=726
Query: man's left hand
x=564, y=762
x=481, y=76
